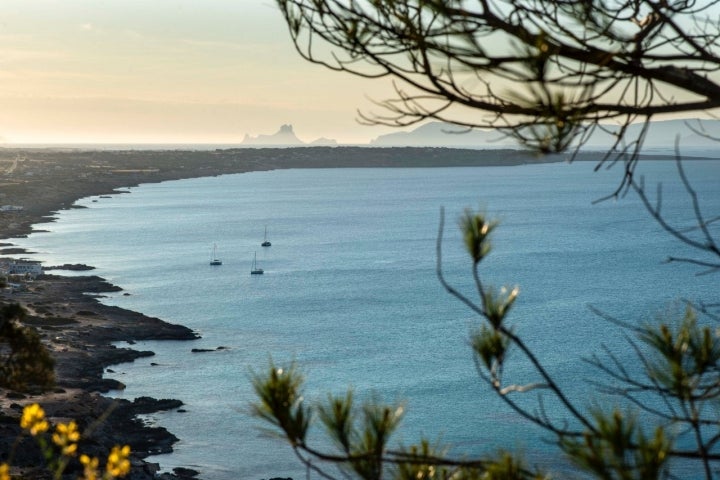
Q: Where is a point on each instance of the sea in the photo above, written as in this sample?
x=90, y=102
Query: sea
x=351, y=297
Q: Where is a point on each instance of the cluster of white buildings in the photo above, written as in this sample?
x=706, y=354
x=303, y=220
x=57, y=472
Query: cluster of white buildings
x=25, y=268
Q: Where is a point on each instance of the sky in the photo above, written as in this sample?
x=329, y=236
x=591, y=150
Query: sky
x=167, y=71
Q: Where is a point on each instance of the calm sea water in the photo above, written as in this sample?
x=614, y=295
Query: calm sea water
x=350, y=293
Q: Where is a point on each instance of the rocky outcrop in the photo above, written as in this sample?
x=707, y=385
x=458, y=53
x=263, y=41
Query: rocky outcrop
x=81, y=334
x=283, y=137
x=119, y=425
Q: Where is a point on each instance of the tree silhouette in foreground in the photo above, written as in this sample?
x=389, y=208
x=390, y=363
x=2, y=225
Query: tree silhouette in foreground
x=24, y=361
x=548, y=73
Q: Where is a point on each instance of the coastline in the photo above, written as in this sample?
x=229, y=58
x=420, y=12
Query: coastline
x=79, y=330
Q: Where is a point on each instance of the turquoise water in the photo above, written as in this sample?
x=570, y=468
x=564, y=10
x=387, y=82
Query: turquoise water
x=350, y=292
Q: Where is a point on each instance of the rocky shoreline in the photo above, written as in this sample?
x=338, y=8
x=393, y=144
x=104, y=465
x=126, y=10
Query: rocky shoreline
x=80, y=331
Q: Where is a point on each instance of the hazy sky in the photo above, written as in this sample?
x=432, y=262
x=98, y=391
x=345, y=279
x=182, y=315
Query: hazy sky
x=185, y=71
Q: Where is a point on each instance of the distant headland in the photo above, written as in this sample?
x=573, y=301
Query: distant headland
x=691, y=133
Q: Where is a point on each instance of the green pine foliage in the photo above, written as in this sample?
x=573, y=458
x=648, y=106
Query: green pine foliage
x=675, y=394
x=549, y=74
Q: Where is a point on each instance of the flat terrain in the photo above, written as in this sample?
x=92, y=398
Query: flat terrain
x=45, y=180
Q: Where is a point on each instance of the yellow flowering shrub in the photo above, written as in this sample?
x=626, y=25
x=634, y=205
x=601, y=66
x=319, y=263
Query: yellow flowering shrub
x=90, y=467
x=118, y=464
x=64, y=445
x=33, y=419
x=66, y=437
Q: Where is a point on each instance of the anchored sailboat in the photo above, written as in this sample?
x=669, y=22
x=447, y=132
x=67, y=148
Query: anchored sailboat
x=214, y=260
x=255, y=270
x=266, y=242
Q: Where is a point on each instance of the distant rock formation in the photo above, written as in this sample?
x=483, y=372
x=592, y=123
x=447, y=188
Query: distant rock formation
x=285, y=137
x=692, y=133
x=439, y=134
x=324, y=142
x=663, y=133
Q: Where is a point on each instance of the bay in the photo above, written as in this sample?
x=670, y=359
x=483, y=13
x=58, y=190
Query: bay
x=350, y=293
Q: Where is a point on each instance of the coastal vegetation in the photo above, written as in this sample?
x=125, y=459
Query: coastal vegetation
x=25, y=363
x=59, y=447
x=547, y=74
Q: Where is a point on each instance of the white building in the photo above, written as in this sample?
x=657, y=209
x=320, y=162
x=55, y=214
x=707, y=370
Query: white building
x=11, y=208
x=25, y=268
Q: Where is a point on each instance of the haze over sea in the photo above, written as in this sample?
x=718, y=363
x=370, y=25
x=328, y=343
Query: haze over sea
x=350, y=292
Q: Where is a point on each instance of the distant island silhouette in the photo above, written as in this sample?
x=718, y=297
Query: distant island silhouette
x=692, y=133
x=285, y=137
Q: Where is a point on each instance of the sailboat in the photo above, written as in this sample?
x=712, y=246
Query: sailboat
x=255, y=270
x=214, y=260
x=266, y=242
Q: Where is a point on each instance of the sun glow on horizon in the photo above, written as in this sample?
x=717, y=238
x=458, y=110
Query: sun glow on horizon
x=170, y=71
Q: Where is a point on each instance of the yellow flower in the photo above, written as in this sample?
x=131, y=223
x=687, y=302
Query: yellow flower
x=90, y=467
x=66, y=437
x=4, y=471
x=33, y=419
x=118, y=464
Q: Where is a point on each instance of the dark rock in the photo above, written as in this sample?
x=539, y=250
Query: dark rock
x=143, y=405
x=104, y=385
x=77, y=267
x=15, y=395
x=13, y=251
x=185, y=473
x=202, y=350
